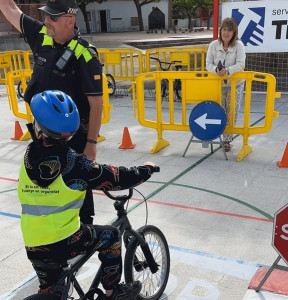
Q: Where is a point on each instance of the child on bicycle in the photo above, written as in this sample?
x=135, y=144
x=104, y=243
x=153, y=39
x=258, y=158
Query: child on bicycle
x=52, y=183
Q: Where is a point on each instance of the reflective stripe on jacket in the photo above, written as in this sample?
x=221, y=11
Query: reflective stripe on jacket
x=74, y=45
x=49, y=214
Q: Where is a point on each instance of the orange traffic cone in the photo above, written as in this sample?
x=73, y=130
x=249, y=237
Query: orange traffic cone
x=126, y=140
x=18, y=131
x=284, y=161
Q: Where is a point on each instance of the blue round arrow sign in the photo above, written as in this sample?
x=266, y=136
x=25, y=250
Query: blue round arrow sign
x=207, y=121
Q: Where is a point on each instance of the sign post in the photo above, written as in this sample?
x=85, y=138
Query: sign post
x=207, y=122
x=279, y=242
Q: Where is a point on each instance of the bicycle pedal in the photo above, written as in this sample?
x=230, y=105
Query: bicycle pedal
x=90, y=295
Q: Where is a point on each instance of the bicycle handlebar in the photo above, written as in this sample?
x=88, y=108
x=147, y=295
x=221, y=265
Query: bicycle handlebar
x=130, y=194
x=166, y=63
x=119, y=197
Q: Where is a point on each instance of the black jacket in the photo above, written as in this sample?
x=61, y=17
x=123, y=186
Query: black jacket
x=45, y=164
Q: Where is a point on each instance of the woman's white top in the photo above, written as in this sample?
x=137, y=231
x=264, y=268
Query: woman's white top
x=233, y=59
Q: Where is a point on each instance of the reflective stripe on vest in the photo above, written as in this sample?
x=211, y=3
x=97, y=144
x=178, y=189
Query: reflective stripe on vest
x=79, y=50
x=38, y=210
x=49, y=214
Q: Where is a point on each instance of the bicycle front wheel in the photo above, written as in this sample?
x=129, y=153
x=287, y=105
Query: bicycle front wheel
x=177, y=88
x=43, y=297
x=111, y=84
x=20, y=93
x=164, y=88
x=136, y=267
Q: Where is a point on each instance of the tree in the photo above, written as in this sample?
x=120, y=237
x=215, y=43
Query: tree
x=139, y=4
x=187, y=8
x=208, y=6
x=82, y=6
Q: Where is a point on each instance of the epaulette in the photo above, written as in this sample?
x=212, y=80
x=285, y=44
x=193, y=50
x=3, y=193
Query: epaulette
x=92, y=49
x=83, y=42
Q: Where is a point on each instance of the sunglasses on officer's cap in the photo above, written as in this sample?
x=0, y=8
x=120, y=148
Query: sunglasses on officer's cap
x=57, y=8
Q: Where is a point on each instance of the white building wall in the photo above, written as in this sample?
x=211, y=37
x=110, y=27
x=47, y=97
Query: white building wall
x=119, y=15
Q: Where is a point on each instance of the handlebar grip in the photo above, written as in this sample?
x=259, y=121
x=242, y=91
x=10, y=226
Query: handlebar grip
x=156, y=169
x=119, y=197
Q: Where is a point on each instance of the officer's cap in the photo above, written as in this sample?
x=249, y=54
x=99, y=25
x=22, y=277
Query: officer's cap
x=60, y=7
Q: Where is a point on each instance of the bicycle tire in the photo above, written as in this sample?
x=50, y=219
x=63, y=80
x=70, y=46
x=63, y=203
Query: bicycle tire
x=20, y=93
x=153, y=285
x=111, y=83
x=177, y=88
x=164, y=88
x=43, y=297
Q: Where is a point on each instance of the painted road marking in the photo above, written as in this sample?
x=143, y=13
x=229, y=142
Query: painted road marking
x=227, y=266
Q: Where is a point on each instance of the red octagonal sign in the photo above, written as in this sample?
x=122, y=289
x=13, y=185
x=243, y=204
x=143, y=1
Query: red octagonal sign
x=280, y=232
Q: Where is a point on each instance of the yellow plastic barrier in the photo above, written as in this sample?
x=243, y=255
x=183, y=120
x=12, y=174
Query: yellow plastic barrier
x=197, y=87
x=13, y=76
x=123, y=64
x=13, y=61
x=24, y=111
x=192, y=59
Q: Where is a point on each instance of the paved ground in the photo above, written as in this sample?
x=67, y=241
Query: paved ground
x=216, y=214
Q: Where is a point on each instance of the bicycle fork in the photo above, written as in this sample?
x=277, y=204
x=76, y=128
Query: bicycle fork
x=151, y=263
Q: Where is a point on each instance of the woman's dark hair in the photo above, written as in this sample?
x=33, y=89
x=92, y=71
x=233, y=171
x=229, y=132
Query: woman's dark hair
x=231, y=24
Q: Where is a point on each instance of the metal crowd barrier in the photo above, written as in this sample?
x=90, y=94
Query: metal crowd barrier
x=195, y=88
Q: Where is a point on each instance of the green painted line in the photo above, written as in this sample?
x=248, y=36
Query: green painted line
x=8, y=191
x=263, y=213
x=171, y=182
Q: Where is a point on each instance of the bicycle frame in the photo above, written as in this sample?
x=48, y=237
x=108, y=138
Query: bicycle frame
x=164, y=82
x=124, y=226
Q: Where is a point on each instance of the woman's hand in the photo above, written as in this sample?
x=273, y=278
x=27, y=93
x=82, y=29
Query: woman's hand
x=221, y=73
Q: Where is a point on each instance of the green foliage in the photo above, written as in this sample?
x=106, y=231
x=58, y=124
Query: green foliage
x=185, y=8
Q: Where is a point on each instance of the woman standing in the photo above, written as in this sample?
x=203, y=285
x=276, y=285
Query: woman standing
x=226, y=56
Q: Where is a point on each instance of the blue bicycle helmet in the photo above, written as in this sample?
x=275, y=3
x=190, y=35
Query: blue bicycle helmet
x=55, y=113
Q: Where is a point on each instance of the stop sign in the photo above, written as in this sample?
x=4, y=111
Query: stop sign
x=280, y=232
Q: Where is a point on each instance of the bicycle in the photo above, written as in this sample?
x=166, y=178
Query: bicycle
x=165, y=82
x=147, y=259
x=20, y=92
x=111, y=84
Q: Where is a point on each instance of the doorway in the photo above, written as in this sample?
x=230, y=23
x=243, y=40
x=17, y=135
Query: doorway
x=105, y=20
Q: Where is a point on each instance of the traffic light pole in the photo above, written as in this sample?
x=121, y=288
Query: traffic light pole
x=215, y=19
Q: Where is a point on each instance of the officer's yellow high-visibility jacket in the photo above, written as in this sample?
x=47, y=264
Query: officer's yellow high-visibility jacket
x=49, y=214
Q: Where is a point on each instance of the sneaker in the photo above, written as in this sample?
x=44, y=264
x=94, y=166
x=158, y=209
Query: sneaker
x=126, y=291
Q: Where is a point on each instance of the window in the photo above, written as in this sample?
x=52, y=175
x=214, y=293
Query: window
x=134, y=21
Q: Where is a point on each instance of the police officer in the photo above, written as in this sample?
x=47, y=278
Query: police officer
x=66, y=62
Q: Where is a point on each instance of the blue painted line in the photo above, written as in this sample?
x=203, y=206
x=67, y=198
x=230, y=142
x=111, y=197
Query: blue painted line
x=242, y=262
x=223, y=258
x=10, y=215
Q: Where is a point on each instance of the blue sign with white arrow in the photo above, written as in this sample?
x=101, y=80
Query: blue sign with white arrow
x=207, y=121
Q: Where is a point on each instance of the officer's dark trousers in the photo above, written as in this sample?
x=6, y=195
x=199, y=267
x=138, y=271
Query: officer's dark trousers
x=78, y=143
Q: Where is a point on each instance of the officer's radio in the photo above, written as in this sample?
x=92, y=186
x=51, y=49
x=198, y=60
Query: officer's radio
x=64, y=60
